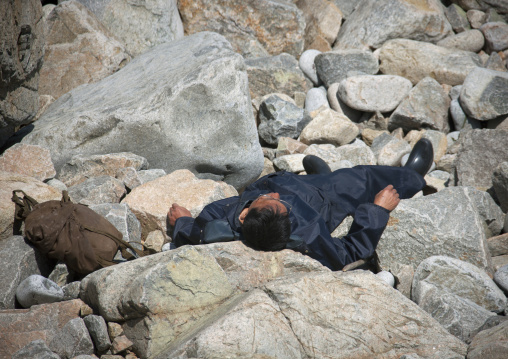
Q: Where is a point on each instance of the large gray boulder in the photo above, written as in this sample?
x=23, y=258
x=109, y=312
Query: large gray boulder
x=319, y=315
x=21, y=56
x=139, y=25
x=484, y=93
x=481, y=151
x=451, y=222
x=19, y=261
x=376, y=21
x=426, y=107
x=255, y=28
x=447, y=66
x=183, y=104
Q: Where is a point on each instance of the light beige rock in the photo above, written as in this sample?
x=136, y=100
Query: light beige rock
x=78, y=50
x=333, y=100
x=150, y=202
x=331, y=315
x=139, y=25
x=469, y=40
x=476, y=18
x=30, y=160
x=331, y=127
x=391, y=154
x=439, y=143
x=290, y=163
x=81, y=168
x=154, y=241
x=254, y=28
x=323, y=20
x=9, y=182
x=448, y=66
x=436, y=184
x=414, y=136
x=368, y=135
x=373, y=93
x=289, y=146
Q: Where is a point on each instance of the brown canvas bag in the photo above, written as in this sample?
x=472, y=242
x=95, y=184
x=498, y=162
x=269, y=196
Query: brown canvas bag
x=72, y=233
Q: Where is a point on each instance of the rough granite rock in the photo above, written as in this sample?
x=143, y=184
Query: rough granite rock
x=481, y=151
x=358, y=153
x=322, y=19
x=37, y=289
x=376, y=21
x=290, y=163
x=371, y=93
x=35, y=350
x=448, y=222
x=279, y=118
x=33, y=161
x=331, y=127
x=253, y=27
x=340, y=315
x=275, y=74
x=152, y=293
x=97, y=190
x=21, y=56
x=150, y=202
x=20, y=327
x=490, y=343
x=498, y=245
x=496, y=36
x=139, y=25
x=447, y=66
x=476, y=18
x=80, y=168
x=426, y=106
x=19, y=261
x=334, y=66
x=500, y=184
x=78, y=50
x=9, y=182
x=457, y=18
x=469, y=40
x=484, y=93
x=458, y=315
x=98, y=330
x=191, y=112
x=72, y=340
x=461, y=279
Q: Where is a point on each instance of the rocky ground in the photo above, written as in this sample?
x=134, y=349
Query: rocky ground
x=131, y=106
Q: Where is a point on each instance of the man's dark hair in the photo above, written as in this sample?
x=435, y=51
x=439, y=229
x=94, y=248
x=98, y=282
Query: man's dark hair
x=266, y=229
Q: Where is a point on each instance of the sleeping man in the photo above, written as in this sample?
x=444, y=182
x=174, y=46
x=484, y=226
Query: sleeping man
x=284, y=210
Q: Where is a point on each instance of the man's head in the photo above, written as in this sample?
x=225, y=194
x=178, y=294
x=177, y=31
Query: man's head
x=265, y=224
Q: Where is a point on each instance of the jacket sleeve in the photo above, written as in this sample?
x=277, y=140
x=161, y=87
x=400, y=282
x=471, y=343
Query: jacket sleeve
x=189, y=230
x=369, y=223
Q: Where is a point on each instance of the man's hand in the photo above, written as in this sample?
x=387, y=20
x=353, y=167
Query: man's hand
x=175, y=212
x=387, y=198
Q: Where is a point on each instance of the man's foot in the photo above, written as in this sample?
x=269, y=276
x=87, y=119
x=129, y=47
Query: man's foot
x=421, y=157
x=315, y=166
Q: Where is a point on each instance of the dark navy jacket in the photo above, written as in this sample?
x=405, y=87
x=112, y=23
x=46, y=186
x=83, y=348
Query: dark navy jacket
x=319, y=204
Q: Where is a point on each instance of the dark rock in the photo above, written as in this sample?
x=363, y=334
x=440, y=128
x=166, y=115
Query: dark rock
x=334, y=66
x=35, y=350
x=98, y=330
x=490, y=343
x=457, y=18
x=72, y=340
x=496, y=36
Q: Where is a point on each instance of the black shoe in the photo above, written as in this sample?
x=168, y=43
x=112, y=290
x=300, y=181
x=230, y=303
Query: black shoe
x=421, y=157
x=315, y=166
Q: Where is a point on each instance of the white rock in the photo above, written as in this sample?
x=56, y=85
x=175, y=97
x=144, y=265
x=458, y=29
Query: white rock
x=37, y=289
x=307, y=66
x=316, y=97
x=372, y=93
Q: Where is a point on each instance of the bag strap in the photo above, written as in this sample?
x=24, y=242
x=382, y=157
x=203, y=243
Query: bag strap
x=23, y=206
x=121, y=243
